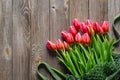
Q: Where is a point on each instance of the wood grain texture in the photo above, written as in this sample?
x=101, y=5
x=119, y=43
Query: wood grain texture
x=39, y=35
x=79, y=9
x=6, y=39
x=59, y=18
x=98, y=10
x=21, y=39
x=113, y=10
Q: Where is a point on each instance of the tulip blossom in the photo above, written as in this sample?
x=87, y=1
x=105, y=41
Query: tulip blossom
x=59, y=44
x=75, y=23
x=64, y=34
x=67, y=36
x=86, y=38
x=105, y=26
x=101, y=31
x=82, y=27
x=89, y=23
x=78, y=38
x=72, y=30
x=65, y=45
x=70, y=38
x=87, y=30
x=51, y=46
x=96, y=27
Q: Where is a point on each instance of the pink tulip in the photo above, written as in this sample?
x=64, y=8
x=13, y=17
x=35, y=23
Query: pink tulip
x=64, y=34
x=65, y=45
x=82, y=27
x=69, y=38
x=89, y=23
x=101, y=30
x=86, y=38
x=59, y=44
x=105, y=26
x=72, y=30
x=87, y=30
x=96, y=27
x=75, y=23
x=78, y=38
x=51, y=46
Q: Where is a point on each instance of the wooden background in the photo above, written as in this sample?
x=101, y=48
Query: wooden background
x=25, y=25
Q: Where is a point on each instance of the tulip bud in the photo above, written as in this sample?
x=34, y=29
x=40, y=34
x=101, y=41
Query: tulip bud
x=75, y=23
x=64, y=34
x=78, y=38
x=89, y=23
x=72, y=30
x=96, y=27
x=82, y=27
x=105, y=26
x=65, y=45
x=51, y=46
x=87, y=30
x=101, y=30
x=70, y=38
x=86, y=38
x=59, y=44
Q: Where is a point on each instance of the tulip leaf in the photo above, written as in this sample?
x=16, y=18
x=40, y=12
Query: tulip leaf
x=82, y=67
x=86, y=53
x=97, y=49
x=102, y=48
x=96, y=57
x=65, y=64
x=109, y=51
x=74, y=59
x=80, y=57
x=72, y=65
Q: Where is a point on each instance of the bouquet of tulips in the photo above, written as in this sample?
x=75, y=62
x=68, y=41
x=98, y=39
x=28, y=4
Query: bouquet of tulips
x=86, y=51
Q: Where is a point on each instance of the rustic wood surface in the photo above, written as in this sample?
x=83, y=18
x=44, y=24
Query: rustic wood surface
x=25, y=26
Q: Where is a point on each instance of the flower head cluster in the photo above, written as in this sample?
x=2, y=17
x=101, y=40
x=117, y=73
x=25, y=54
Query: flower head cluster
x=78, y=32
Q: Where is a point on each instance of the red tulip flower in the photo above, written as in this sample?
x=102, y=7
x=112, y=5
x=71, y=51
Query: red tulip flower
x=86, y=38
x=78, y=38
x=51, y=46
x=72, y=30
x=89, y=23
x=82, y=27
x=69, y=38
x=75, y=23
x=101, y=31
x=64, y=34
x=105, y=26
x=87, y=30
x=59, y=44
x=65, y=45
x=96, y=27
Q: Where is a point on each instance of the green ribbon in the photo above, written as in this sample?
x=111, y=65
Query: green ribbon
x=117, y=34
x=56, y=74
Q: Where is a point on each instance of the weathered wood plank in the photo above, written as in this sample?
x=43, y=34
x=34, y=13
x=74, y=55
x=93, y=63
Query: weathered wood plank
x=113, y=10
x=59, y=18
x=98, y=10
x=79, y=10
x=39, y=35
x=21, y=39
x=6, y=39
